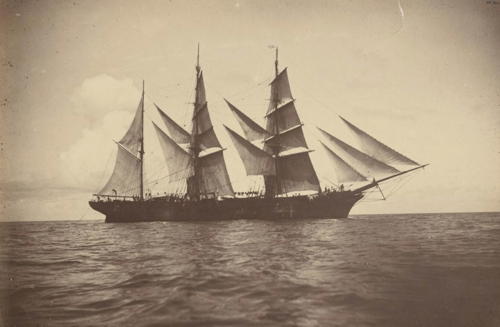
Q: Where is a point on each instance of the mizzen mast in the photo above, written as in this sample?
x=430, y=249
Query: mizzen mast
x=194, y=181
x=141, y=151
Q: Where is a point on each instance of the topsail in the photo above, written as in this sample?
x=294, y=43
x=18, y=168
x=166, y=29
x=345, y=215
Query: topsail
x=278, y=151
x=285, y=146
x=294, y=172
x=210, y=172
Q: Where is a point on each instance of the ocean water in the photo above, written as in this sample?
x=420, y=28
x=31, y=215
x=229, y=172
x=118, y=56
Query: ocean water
x=381, y=270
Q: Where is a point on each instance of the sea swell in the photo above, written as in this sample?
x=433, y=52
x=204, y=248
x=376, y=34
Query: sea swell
x=384, y=270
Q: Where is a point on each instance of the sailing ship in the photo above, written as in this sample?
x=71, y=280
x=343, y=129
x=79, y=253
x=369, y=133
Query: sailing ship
x=278, y=152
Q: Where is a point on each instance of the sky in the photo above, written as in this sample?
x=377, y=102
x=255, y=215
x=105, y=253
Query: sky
x=421, y=76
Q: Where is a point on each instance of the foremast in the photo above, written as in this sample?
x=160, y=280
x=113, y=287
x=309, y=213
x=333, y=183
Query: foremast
x=127, y=178
x=194, y=181
x=202, y=164
x=273, y=183
x=284, y=160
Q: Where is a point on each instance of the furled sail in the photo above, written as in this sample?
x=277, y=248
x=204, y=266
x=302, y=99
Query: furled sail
x=126, y=177
x=344, y=172
x=255, y=160
x=252, y=130
x=178, y=134
x=377, y=149
x=179, y=162
x=362, y=162
x=295, y=172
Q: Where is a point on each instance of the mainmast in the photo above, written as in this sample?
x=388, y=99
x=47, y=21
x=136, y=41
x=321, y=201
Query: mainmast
x=276, y=64
x=203, y=165
x=141, y=152
x=277, y=146
x=195, y=147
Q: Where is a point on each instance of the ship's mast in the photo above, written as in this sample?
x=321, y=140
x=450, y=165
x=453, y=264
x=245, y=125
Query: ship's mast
x=194, y=141
x=276, y=148
x=141, y=153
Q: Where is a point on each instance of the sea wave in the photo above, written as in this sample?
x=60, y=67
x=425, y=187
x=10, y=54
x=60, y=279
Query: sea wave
x=383, y=270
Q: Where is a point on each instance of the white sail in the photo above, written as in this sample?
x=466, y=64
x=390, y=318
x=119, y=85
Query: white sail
x=344, y=172
x=200, y=96
x=255, y=160
x=205, y=134
x=209, y=169
x=280, y=90
x=284, y=117
x=295, y=172
x=288, y=139
x=213, y=175
x=178, y=161
x=362, y=162
x=132, y=138
x=252, y=130
x=377, y=149
x=178, y=134
x=126, y=177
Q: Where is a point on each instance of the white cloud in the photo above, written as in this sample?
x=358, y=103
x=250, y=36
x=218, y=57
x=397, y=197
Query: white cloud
x=101, y=94
x=110, y=103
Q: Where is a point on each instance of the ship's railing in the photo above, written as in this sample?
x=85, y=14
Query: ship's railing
x=248, y=194
x=113, y=197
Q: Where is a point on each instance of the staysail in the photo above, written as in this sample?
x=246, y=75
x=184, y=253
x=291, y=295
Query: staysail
x=377, y=149
x=362, y=162
x=179, y=162
x=345, y=173
x=178, y=134
x=252, y=130
x=126, y=178
x=255, y=160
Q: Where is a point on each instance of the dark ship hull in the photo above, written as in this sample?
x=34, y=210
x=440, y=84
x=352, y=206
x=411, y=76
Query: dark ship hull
x=324, y=205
